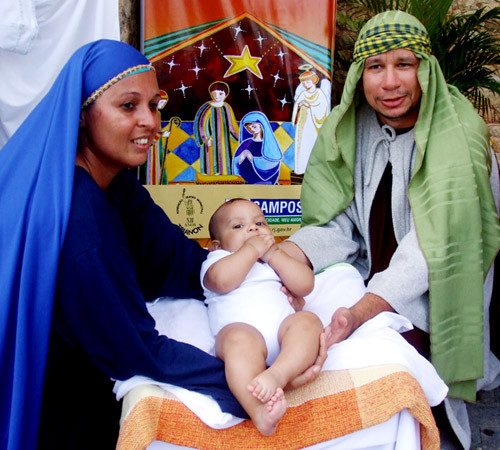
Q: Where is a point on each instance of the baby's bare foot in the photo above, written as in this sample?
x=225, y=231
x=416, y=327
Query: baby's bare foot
x=269, y=414
x=264, y=386
x=276, y=397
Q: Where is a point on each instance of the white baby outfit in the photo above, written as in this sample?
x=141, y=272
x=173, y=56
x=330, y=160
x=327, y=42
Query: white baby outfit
x=258, y=301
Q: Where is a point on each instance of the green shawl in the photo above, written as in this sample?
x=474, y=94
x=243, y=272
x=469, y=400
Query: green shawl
x=451, y=199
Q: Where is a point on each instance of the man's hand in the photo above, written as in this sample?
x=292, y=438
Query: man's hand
x=346, y=320
x=342, y=326
x=312, y=372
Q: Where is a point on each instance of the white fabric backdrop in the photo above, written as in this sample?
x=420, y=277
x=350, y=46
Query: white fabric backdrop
x=36, y=39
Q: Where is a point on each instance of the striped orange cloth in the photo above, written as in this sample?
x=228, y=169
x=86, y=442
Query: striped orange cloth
x=337, y=403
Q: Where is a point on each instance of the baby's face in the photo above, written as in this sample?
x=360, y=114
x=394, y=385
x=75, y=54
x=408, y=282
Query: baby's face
x=238, y=222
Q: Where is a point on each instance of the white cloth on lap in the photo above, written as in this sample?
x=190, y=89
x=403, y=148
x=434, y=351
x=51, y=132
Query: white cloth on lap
x=376, y=342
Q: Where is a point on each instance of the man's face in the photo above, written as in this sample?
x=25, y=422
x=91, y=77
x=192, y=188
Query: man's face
x=391, y=87
x=218, y=95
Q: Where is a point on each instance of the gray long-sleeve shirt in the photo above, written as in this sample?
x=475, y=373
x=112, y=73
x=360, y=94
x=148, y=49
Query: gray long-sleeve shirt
x=346, y=238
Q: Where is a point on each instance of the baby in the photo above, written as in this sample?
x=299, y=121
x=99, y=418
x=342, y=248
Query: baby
x=250, y=315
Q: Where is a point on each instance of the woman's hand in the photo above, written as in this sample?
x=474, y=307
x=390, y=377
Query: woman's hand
x=246, y=154
x=312, y=372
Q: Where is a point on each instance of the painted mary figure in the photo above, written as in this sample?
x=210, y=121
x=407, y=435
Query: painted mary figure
x=258, y=157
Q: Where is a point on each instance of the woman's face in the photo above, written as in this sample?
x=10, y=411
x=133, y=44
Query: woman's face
x=254, y=128
x=119, y=127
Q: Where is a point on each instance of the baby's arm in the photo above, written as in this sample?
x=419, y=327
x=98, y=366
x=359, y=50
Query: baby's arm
x=295, y=275
x=229, y=272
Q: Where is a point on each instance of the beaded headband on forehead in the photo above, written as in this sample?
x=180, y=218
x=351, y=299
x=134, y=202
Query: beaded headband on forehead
x=130, y=71
x=390, y=36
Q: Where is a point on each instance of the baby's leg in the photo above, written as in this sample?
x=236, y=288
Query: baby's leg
x=244, y=352
x=299, y=339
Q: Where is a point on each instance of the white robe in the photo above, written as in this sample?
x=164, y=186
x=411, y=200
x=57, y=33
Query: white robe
x=308, y=121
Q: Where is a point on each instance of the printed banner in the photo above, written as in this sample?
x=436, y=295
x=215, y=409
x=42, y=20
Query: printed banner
x=246, y=86
x=190, y=206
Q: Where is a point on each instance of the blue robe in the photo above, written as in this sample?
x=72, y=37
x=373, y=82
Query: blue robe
x=260, y=170
x=120, y=250
x=267, y=155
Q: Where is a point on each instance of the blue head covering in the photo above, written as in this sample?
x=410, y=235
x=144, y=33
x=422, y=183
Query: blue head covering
x=36, y=180
x=271, y=147
x=267, y=167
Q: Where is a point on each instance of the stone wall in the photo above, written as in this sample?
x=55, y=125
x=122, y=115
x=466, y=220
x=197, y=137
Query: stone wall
x=130, y=21
x=467, y=6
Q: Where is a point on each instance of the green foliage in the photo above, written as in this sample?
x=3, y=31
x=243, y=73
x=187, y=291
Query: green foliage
x=466, y=45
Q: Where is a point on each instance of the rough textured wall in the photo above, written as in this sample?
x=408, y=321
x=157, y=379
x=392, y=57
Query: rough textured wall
x=130, y=22
x=466, y=6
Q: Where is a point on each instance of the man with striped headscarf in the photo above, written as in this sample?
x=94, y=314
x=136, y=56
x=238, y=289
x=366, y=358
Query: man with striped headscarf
x=403, y=171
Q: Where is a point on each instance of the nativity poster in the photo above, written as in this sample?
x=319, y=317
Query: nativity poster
x=246, y=86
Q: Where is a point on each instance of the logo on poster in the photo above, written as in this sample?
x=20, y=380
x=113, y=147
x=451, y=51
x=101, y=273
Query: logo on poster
x=280, y=211
x=189, y=207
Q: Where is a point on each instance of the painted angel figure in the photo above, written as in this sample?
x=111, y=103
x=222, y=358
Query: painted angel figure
x=310, y=109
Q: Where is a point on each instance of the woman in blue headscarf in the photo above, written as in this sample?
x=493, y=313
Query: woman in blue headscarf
x=82, y=247
x=258, y=157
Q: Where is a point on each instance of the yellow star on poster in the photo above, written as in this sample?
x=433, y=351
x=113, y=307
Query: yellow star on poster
x=245, y=61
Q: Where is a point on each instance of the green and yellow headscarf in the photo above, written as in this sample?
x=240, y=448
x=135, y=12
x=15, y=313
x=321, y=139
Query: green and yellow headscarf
x=450, y=195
